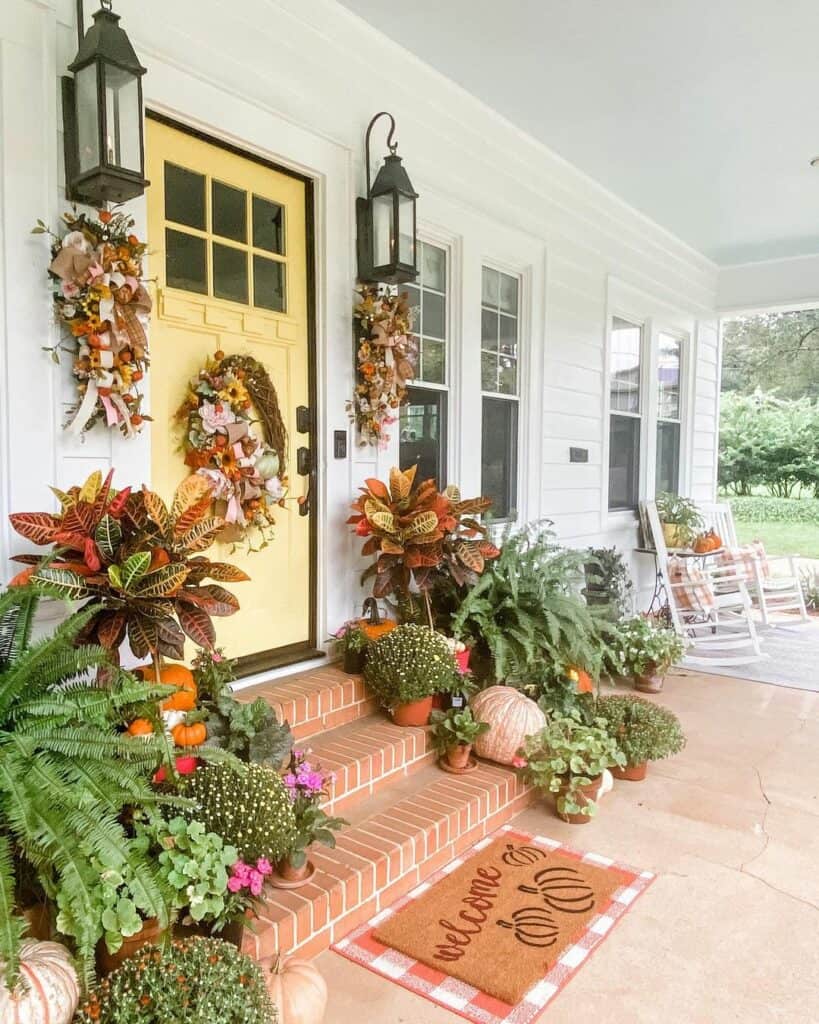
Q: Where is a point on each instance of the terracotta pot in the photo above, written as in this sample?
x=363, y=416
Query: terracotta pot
x=584, y=795
x=458, y=757
x=631, y=773
x=354, y=662
x=147, y=935
x=438, y=701
x=291, y=874
x=416, y=713
x=650, y=681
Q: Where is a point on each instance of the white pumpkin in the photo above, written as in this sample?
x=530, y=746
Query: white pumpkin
x=48, y=991
x=297, y=990
x=512, y=716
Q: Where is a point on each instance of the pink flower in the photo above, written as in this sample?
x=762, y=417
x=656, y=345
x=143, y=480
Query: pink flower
x=518, y=762
x=216, y=657
x=256, y=882
x=215, y=415
x=69, y=289
x=263, y=866
x=241, y=871
x=235, y=884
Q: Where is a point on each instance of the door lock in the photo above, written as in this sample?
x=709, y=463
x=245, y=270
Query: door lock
x=303, y=461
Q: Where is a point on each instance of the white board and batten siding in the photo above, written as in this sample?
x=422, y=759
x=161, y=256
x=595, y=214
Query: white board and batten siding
x=297, y=81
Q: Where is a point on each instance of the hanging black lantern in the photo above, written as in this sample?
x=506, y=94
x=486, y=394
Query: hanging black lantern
x=102, y=114
x=387, y=243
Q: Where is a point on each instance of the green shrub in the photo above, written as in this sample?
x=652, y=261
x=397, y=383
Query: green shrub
x=762, y=509
x=642, y=646
x=249, y=808
x=194, y=981
x=408, y=664
x=644, y=731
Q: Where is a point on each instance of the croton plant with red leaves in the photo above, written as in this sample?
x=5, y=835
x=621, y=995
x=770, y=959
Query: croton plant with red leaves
x=137, y=560
x=418, y=533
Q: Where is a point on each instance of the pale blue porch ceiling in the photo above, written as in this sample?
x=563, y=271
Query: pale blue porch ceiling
x=703, y=114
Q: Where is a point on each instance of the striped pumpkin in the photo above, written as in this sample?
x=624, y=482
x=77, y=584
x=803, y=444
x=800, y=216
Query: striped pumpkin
x=47, y=992
x=511, y=715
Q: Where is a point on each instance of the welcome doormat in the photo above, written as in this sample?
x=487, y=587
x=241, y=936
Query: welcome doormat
x=499, y=931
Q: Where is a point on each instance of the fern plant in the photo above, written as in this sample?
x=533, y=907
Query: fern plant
x=524, y=612
x=67, y=773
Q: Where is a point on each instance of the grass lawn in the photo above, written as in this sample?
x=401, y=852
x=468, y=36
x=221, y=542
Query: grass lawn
x=783, y=538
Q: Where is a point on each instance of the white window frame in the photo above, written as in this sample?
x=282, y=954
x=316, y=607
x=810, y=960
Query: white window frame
x=452, y=352
x=656, y=317
x=519, y=398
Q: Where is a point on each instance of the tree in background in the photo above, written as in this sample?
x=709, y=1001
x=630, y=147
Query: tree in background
x=772, y=352
x=770, y=441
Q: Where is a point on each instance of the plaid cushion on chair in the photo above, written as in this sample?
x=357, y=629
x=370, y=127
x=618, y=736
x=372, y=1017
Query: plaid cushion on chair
x=692, y=589
x=742, y=559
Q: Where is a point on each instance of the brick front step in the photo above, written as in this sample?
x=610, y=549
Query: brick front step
x=313, y=702
x=366, y=756
x=411, y=829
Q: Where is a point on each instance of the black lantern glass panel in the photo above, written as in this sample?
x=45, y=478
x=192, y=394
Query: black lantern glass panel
x=387, y=249
x=102, y=110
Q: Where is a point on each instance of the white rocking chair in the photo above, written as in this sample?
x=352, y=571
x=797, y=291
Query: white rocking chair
x=708, y=607
x=772, y=593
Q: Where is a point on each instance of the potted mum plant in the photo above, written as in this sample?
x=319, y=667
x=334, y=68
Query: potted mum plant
x=568, y=758
x=646, y=649
x=680, y=518
x=453, y=732
x=307, y=786
x=644, y=732
x=406, y=667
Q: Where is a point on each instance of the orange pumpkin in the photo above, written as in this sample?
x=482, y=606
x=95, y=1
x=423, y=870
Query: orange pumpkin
x=189, y=735
x=511, y=715
x=708, y=541
x=177, y=675
x=140, y=727
x=297, y=990
x=371, y=624
x=581, y=678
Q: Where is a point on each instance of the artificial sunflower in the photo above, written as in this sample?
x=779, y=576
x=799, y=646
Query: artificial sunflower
x=234, y=393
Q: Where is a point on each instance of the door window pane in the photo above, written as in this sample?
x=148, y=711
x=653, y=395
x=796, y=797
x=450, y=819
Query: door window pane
x=229, y=273
x=229, y=211
x=669, y=361
x=184, y=197
x=508, y=376
x=508, y=294
x=186, y=262
x=489, y=330
x=668, y=457
x=499, y=456
x=268, y=225
x=268, y=284
x=489, y=372
x=626, y=346
x=508, y=336
x=624, y=462
x=423, y=434
x=499, y=332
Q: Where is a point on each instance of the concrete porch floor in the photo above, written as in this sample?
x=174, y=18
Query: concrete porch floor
x=728, y=931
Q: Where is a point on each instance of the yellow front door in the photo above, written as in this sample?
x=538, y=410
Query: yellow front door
x=229, y=255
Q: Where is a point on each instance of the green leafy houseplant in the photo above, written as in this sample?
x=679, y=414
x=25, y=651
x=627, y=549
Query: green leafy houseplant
x=408, y=664
x=194, y=981
x=608, y=582
x=644, y=731
x=568, y=756
x=681, y=516
x=641, y=646
x=248, y=807
x=135, y=562
x=250, y=730
x=454, y=728
x=524, y=612
x=67, y=774
x=195, y=865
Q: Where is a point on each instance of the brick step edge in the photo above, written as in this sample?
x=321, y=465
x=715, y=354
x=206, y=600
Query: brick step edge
x=380, y=860
x=313, y=702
